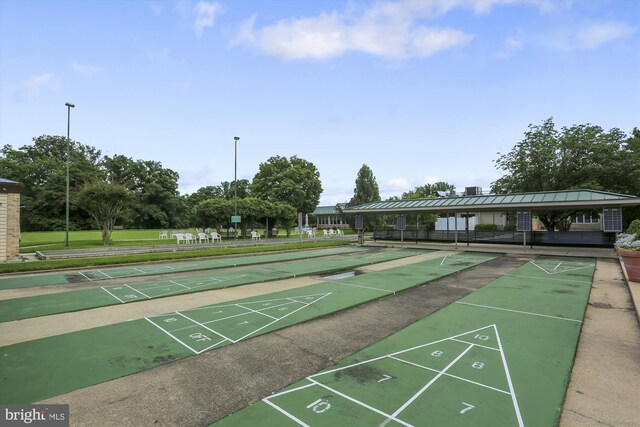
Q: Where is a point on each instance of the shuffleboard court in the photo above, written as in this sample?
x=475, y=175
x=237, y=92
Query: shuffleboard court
x=470, y=364
x=42, y=305
x=46, y=279
x=38, y=369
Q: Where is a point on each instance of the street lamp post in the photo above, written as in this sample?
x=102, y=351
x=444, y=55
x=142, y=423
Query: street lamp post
x=235, y=184
x=69, y=107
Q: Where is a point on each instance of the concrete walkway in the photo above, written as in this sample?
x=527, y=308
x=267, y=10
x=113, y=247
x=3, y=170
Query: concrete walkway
x=605, y=381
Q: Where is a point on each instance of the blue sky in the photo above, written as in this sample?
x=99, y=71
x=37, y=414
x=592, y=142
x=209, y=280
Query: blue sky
x=420, y=91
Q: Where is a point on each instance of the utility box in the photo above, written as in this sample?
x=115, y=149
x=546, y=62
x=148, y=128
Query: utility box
x=9, y=219
x=473, y=191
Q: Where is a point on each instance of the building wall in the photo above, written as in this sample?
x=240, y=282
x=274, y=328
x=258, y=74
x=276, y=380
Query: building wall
x=9, y=226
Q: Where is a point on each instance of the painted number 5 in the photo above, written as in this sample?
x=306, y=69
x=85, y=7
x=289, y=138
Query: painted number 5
x=467, y=407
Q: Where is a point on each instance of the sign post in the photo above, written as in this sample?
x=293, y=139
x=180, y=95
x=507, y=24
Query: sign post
x=360, y=229
x=523, y=223
x=401, y=224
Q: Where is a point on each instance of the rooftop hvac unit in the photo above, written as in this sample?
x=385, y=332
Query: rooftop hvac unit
x=473, y=191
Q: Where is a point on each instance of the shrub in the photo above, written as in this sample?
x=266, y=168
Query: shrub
x=627, y=241
x=634, y=228
x=510, y=227
x=486, y=227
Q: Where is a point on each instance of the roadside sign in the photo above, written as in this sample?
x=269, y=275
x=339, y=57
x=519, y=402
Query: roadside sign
x=236, y=219
x=401, y=222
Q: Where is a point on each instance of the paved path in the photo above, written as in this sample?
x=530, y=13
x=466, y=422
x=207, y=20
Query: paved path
x=605, y=380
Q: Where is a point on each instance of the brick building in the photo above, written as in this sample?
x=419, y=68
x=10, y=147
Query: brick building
x=9, y=219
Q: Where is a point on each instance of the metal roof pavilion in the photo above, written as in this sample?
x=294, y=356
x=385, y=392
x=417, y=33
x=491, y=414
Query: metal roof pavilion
x=546, y=200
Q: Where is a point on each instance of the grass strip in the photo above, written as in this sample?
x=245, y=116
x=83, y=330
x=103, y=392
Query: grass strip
x=31, y=266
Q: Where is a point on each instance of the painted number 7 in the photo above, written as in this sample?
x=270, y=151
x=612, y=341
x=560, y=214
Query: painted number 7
x=467, y=407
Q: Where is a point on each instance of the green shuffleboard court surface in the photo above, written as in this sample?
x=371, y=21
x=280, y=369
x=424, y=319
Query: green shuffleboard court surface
x=42, y=305
x=501, y=356
x=46, y=279
x=38, y=369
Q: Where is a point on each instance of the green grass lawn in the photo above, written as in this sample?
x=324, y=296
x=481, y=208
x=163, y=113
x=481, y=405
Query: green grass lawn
x=54, y=240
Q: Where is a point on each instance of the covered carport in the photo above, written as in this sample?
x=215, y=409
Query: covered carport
x=523, y=206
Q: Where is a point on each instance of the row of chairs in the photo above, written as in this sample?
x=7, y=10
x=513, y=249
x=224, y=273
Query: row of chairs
x=201, y=237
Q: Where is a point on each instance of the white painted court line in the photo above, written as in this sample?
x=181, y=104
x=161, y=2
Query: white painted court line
x=286, y=315
x=398, y=352
x=371, y=408
x=518, y=311
x=104, y=289
x=361, y=286
x=257, y=312
x=548, y=278
x=542, y=267
x=105, y=274
x=256, y=302
x=506, y=370
x=141, y=271
x=289, y=391
x=277, y=408
x=85, y=276
x=204, y=326
x=179, y=284
x=433, y=380
x=168, y=333
x=477, y=345
x=135, y=290
x=449, y=375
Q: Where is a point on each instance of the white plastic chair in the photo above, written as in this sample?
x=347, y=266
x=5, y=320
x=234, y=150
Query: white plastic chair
x=189, y=238
x=164, y=234
x=215, y=236
x=203, y=237
x=340, y=232
x=255, y=235
x=311, y=233
x=180, y=238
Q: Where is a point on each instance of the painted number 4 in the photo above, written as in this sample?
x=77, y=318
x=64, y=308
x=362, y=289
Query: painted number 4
x=467, y=407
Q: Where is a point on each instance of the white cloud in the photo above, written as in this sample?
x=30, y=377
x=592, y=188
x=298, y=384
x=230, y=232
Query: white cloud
x=397, y=184
x=429, y=41
x=511, y=45
x=86, y=70
x=597, y=34
x=39, y=83
x=388, y=29
x=205, y=15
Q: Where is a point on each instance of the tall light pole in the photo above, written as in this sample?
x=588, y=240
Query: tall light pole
x=69, y=107
x=235, y=183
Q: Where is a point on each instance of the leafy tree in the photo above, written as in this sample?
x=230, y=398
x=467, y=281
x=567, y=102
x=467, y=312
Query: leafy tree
x=105, y=203
x=228, y=190
x=366, y=187
x=157, y=202
x=580, y=156
x=214, y=212
x=283, y=215
x=294, y=181
x=429, y=191
x=41, y=169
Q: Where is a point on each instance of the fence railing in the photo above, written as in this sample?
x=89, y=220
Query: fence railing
x=560, y=238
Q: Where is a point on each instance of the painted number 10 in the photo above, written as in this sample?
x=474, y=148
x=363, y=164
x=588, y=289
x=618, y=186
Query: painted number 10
x=319, y=406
